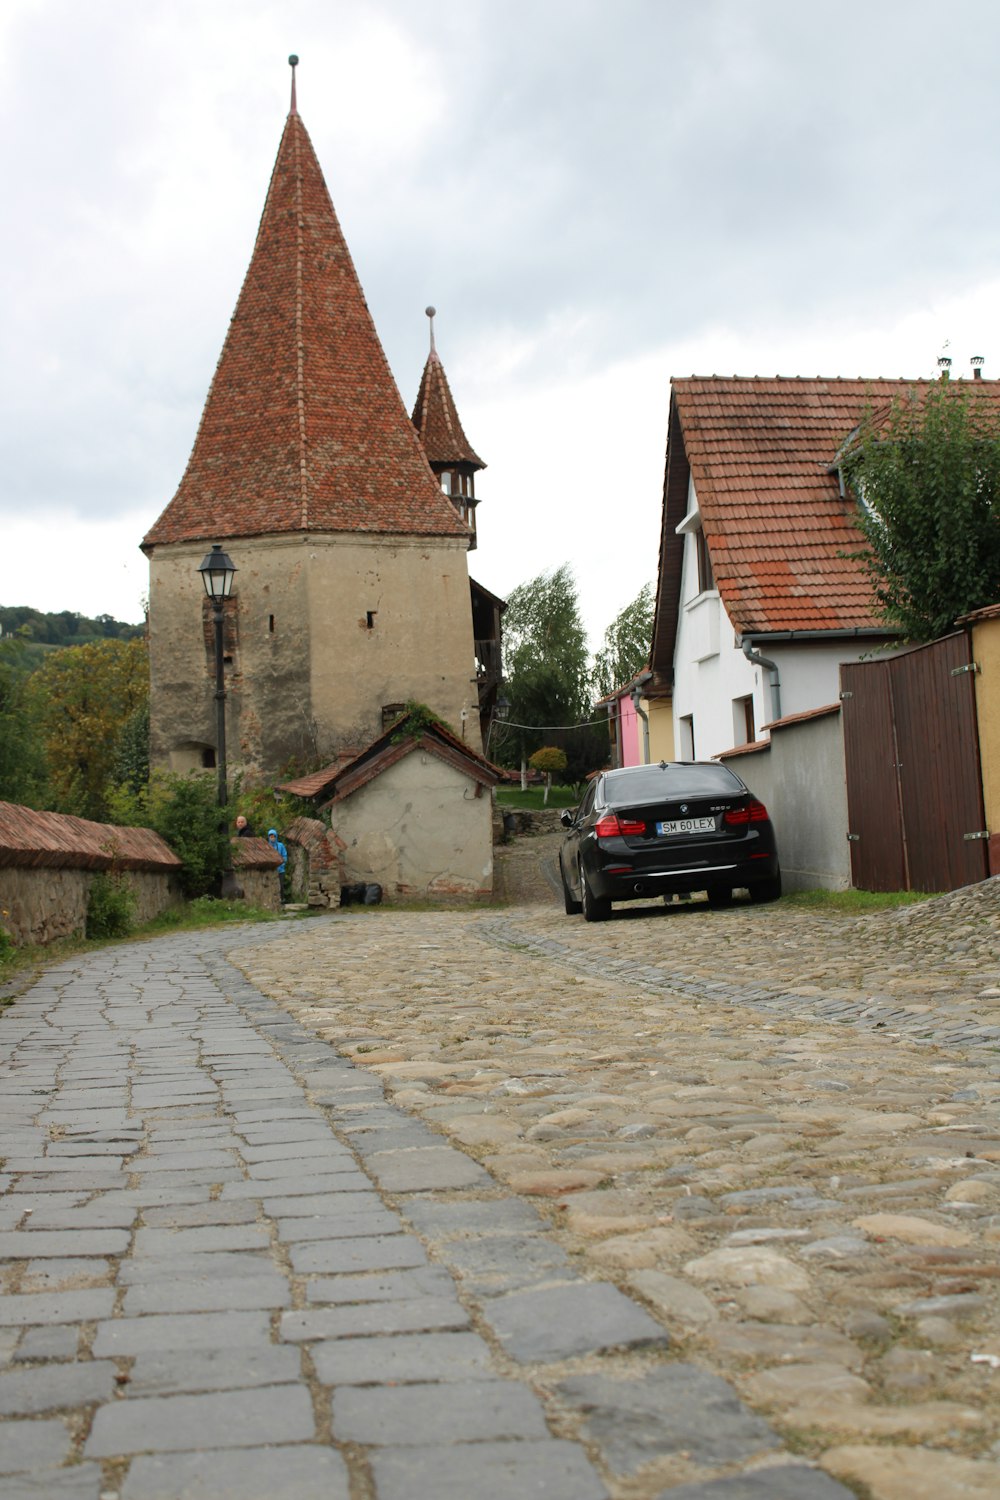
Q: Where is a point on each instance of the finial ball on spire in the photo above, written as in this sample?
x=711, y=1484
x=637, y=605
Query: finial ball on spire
x=293, y=61
x=430, y=311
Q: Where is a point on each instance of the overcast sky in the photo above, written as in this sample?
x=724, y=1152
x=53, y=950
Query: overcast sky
x=596, y=195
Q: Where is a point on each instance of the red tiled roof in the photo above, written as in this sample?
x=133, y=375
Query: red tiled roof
x=50, y=840
x=435, y=417
x=761, y=453
x=304, y=429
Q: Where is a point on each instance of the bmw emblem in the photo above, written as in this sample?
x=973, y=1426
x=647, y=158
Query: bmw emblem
x=684, y=807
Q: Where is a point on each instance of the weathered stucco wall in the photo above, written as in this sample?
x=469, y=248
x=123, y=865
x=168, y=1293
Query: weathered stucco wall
x=800, y=778
x=328, y=630
x=418, y=829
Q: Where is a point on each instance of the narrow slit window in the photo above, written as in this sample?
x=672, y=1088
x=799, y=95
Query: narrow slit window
x=370, y=616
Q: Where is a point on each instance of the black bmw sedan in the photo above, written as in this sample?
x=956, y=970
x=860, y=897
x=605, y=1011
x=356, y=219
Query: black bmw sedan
x=679, y=826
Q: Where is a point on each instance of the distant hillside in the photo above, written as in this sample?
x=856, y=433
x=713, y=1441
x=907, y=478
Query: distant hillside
x=65, y=628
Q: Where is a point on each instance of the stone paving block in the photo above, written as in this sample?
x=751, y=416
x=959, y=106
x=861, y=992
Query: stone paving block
x=328, y=1203
x=297, y=1185
x=182, y=1161
x=305, y=1148
x=200, y=1264
x=216, y=1294
x=442, y=1221
x=210, y=1237
x=166, y=1331
x=401, y=1357
x=426, y=1169
x=381, y=1286
x=298, y=1473
x=778, y=1482
x=184, y=1371
x=34, y=1244
x=60, y=1341
x=32, y=1445
x=350, y=1227
x=52, y=1386
x=79, y=1482
x=414, y=1315
x=420, y=1414
x=676, y=1408
x=337, y=1168
x=493, y=1471
x=511, y=1258
x=558, y=1322
x=379, y=1253
x=193, y=1215
x=61, y=1275
x=56, y=1307
x=63, y=1181
x=238, y=1419
x=102, y=1213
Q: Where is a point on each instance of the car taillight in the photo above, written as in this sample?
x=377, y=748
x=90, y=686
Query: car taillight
x=611, y=826
x=754, y=812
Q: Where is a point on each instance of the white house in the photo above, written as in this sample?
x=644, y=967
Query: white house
x=759, y=598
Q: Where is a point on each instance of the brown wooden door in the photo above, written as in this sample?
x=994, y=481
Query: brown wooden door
x=914, y=787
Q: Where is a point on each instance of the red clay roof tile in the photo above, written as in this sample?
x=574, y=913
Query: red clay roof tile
x=435, y=416
x=304, y=429
x=762, y=455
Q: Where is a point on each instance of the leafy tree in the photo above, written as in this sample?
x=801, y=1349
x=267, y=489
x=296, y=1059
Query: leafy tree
x=928, y=479
x=545, y=655
x=22, y=763
x=131, y=761
x=548, y=759
x=627, y=642
x=185, y=811
x=82, y=698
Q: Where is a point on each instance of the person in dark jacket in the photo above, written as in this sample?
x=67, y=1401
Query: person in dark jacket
x=279, y=848
x=243, y=829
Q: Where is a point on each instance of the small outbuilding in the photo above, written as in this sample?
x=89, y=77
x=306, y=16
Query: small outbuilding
x=412, y=812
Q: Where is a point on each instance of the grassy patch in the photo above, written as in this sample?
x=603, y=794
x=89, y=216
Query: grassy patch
x=532, y=799
x=854, y=903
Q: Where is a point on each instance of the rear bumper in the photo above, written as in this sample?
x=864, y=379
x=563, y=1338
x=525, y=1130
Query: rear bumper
x=615, y=878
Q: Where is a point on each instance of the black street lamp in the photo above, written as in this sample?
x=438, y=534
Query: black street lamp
x=217, y=573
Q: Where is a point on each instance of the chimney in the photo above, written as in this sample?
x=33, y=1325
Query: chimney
x=977, y=366
x=944, y=365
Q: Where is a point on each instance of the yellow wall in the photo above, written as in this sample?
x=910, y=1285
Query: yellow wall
x=986, y=652
x=661, y=728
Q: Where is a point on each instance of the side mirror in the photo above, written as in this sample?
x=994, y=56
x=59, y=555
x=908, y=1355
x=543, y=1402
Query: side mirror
x=568, y=817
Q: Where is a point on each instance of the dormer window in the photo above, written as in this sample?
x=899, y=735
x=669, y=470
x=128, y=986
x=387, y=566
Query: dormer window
x=706, y=578
x=446, y=481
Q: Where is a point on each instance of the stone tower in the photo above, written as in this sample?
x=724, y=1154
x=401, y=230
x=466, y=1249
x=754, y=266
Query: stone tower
x=352, y=591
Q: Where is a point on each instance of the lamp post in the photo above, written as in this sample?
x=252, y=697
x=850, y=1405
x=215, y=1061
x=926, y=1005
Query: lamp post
x=217, y=573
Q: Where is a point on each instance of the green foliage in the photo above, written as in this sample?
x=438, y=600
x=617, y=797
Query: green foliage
x=66, y=628
x=130, y=767
x=264, y=807
x=81, y=700
x=548, y=759
x=627, y=643
x=928, y=478
x=534, y=797
x=414, y=720
x=545, y=655
x=22, y=763
x=110, y=906
x=184, y=810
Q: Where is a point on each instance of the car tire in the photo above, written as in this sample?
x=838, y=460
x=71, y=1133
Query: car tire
x=595, y=908
x=571, y=905
x=766, y=890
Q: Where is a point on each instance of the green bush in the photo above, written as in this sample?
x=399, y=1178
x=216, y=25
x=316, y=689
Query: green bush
x=110, y=906
x=183, y=810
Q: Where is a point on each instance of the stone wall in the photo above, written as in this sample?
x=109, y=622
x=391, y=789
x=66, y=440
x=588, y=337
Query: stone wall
x=255, y=865
x=47, y=863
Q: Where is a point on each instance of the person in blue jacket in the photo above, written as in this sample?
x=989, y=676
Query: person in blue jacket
x=279, y=848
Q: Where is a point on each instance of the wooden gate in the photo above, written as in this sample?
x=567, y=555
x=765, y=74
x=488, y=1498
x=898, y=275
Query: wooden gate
x=914, y=787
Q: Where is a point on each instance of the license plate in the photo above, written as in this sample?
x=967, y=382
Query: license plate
x=685, y=825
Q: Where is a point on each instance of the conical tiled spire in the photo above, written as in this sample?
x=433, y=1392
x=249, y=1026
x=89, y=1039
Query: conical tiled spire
x=304, y=428
x=435, y=417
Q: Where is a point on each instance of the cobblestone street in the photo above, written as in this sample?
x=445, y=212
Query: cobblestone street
x=418, y=1205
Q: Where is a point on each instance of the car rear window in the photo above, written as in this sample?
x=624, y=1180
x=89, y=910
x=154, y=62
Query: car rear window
x=665, y=783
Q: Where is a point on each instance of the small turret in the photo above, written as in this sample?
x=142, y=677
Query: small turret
x=449, y=452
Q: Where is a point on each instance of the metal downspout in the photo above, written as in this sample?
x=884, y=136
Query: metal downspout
x=746, y=646
x=643, y=715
